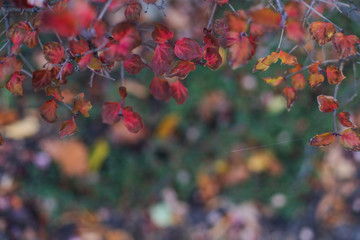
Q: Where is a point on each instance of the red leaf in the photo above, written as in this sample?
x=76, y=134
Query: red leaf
x=1, y=140
x=350, y=139
x=64, y=23
x=345, y=45
x=14, y=85
x=179, y=92
x=78, y=47
x=84, y=13
x=161, y=33
x=187, y=49
x=221, y=2
x=334, y=75
x=220, y=26
x=127, y=38
x=41, y=79
x=290, y=96
x=322, y=32
x=182, y=69
x=53, y=52
x=54, y=91
x=327, y=103
x=163, y=56
x=18, y=31
x=134, y=64
x=211, y=41
x=160, y=89
x=110, y=112
x=322, y=139
x=81, y=105
x=68, y=128
x=132, y=120
x=344, y=119
x=48, y=111
x=132, y=11
x=31, y=40
x=213, y=58
x=295, y=31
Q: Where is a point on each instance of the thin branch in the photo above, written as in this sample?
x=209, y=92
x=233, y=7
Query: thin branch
x=4, y=46
x=322, y=16
x=334, y=111
x=26, y=62
x=103, y=11
x=281, y=38
x=212, y=16
x=58, y=37
x=122, y=74
x=7, y=24
x=91, y=79
x=355, y=85
x=102, y=75
x=231, y=7
x=308, y=54
x=62, y=69
x=26, y=73
x=306, y=67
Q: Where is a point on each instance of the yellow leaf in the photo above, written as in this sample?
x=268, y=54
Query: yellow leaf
x=100, y=152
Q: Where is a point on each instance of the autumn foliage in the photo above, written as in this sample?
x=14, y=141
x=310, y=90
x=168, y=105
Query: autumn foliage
x=87, y=42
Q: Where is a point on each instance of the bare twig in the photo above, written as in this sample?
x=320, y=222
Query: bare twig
x=281, y=38
x=103, y=11
x=62, y=69
x=26, y=72
x=26, y=62
x=334, y=111
x=212, y=16
x=91, y=79
x=355, y=85
x=231, y=7
x=322, y=16
x=122, y=74
x=102, y=75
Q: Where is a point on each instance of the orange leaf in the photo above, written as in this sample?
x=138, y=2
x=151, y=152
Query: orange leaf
x=81, y=105
x=290, y=95
x=266, y=17
x=327, y=103
x=54, y=91
x=240, y=52
x=322, y=139
x=287, y=59
x=298, y=80
x=237, y=21
x=322, y=32
x=350, y=139
x=53, y=52
x=315, y=79
x=273, y=81
x=48, y=111
x=68, y=128
x=344, y=45
x=334, y=75
x=263, y=64
x=344, y=119
x=314, y=67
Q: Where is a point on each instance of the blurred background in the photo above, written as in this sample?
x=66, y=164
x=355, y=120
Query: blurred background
x=231, y=163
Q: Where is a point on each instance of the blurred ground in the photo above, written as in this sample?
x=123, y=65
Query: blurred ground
x=178, y=178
